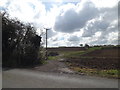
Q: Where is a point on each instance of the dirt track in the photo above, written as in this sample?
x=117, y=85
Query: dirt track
x=57, y=66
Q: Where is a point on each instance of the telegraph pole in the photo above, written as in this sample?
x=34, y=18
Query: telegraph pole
x=46, y=43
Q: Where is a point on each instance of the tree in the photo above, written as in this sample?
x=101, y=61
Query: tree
x=87, y=46
x=81, y=45
x=20, y=44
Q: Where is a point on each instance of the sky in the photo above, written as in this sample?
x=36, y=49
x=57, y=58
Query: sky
x=71, y=22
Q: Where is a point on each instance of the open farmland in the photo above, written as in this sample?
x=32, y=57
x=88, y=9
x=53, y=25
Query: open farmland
x=65, y=49
x=101, y=61
x=104, y=58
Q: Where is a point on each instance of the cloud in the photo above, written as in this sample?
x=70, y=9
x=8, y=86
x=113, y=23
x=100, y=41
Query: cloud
x=105, y=3
x=25, y=10
x=92, y=20
x=109, y=38
x=106, y=24
x=72, y=20
x=74, y=38
x=51, y=33
x=71, y=23
x=95, y=26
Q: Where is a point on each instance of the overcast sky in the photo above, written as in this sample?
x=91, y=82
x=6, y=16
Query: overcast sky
x=94, y=22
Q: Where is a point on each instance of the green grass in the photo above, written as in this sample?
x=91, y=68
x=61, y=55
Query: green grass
x=103, y=73
x=77, y=54
x=94, y=48
x=53, y=57
x=74, y=54
x=109, y=73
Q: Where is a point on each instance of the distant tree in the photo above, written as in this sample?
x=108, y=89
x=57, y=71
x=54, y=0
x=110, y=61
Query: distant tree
x=87, y=46
x=81, y=45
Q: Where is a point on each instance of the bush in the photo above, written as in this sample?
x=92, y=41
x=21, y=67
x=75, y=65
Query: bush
x=20, y=44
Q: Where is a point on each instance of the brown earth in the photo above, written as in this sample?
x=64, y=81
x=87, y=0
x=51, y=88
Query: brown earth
x=95, y=63
x=66, y=49
x=98, y=59
x=105, y=52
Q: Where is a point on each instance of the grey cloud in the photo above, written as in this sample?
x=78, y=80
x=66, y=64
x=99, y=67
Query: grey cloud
x=110, y=13
x=65, y=23
x=51, y=33
x=99, y=42
x=87, y=33
x=92, y=28
x=115, y=42
x=73, y=38
x=103, y=39
x=72, y=21
x=104, y=25
x=54, y=39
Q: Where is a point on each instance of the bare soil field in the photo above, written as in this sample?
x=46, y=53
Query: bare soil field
x=93, y=61
x=67, y=49
x=105, y=52
x=98, y=59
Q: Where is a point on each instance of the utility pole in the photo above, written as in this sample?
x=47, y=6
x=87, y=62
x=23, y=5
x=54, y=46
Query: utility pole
x=46, y=43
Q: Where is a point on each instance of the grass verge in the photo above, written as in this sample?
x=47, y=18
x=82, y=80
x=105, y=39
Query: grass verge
x=103, y=73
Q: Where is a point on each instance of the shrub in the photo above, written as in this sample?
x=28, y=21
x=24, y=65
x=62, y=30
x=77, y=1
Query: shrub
x=20, y=44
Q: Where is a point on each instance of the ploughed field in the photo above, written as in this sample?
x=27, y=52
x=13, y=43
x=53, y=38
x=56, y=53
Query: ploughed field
x=100, y=61
x=102, y=58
